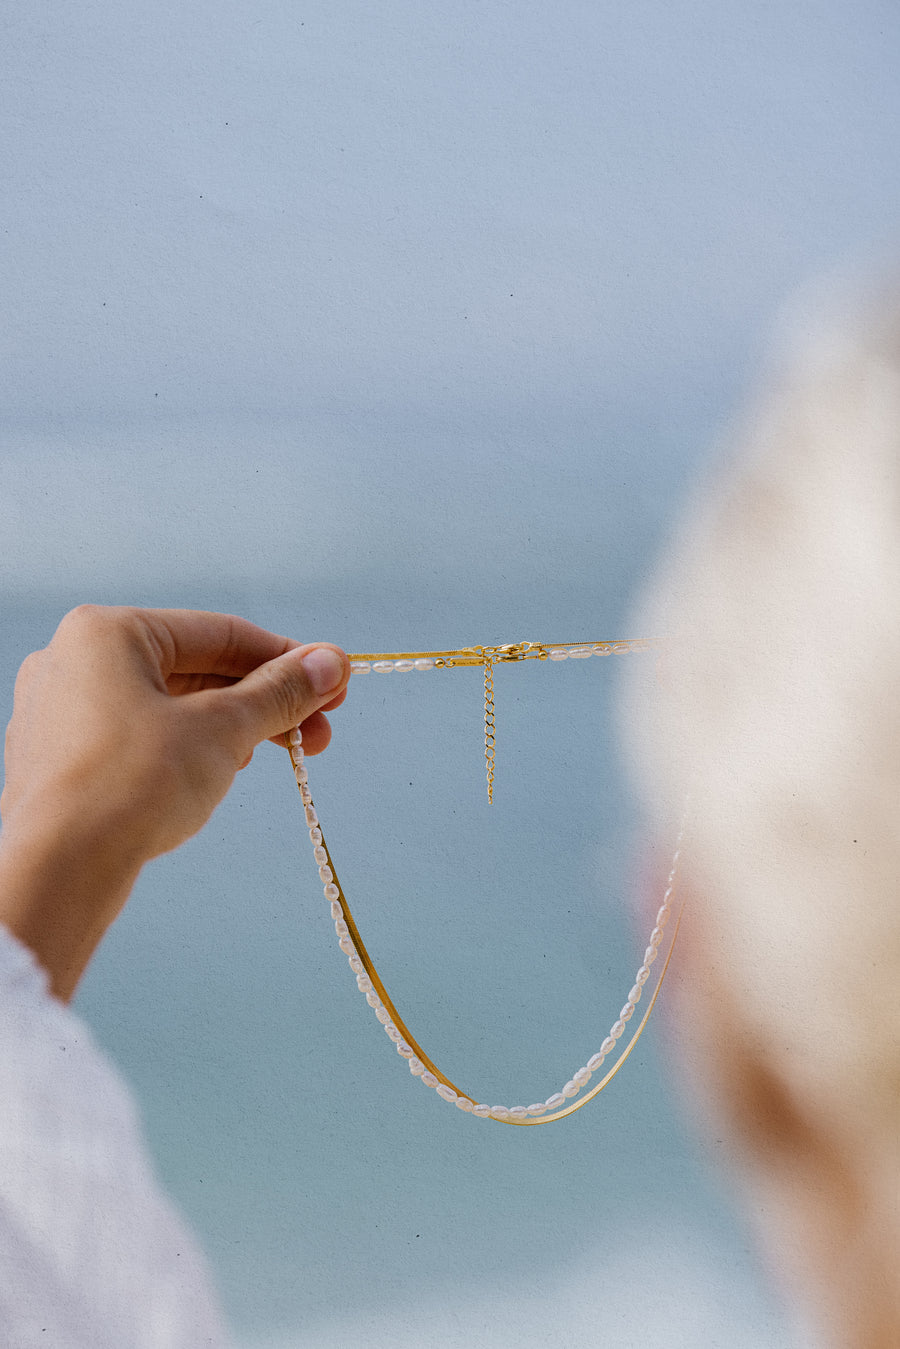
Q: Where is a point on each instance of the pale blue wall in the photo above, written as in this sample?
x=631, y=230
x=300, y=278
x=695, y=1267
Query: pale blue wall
x=408, y=325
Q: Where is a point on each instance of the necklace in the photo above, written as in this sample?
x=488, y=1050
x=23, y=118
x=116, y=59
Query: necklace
x=622, y=1036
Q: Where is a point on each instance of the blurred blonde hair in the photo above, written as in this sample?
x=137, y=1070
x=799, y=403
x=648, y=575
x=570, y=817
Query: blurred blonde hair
x=779, y=709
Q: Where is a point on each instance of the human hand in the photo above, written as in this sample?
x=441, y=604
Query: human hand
x=126, y=733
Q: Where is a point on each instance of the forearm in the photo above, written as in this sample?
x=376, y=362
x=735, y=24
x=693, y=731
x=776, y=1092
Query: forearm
x=59, y=894
x=127, y=732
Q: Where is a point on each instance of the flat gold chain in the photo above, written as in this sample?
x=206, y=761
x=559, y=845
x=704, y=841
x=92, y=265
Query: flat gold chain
x=511, y=651
x=626, y=1046
x=351, y=942
x=489, y=656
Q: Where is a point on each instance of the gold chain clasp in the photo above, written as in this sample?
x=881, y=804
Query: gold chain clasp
x=506, y=654
x=487, y=657
x=512, y=651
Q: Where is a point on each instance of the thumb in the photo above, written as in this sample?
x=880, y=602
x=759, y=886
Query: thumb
x=285, y=691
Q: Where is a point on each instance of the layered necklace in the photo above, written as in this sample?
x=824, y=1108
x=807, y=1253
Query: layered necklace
x=626, y=1030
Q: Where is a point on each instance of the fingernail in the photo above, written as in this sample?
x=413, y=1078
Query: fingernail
x=324, y=669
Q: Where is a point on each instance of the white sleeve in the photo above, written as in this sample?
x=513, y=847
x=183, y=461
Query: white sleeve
x=92, y=1254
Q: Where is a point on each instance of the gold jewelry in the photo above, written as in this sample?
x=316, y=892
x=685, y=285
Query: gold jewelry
x=560, y=1103
x=487, y=656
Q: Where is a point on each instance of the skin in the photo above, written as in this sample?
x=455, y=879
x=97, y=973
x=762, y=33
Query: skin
x=127, y=732
x=820, y=1187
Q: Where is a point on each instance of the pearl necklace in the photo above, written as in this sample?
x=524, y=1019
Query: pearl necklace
x=618, y=1044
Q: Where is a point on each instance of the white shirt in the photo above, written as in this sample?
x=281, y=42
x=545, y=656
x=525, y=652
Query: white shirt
x=92, y=1253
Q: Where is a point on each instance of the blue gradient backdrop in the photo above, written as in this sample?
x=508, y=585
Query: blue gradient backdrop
x=410, y=326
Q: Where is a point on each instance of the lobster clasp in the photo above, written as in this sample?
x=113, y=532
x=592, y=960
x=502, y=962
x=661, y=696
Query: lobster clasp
x=512, y=651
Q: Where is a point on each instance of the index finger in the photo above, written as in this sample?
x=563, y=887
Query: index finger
x=197, y=641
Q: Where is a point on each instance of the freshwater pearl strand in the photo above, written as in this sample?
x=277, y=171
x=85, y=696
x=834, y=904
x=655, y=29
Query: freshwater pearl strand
x=404, y=663
x=613, y=1051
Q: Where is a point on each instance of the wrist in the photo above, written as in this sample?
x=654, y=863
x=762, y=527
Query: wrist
x=60, y=889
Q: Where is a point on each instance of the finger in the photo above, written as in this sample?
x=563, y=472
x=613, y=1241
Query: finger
x=316, y=735
x=179, y=684
x=316, y=729
x=283, y=692
x=194, y=640
x=335, y=702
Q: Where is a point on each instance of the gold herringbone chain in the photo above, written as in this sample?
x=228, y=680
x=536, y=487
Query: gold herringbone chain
x=619, y=1043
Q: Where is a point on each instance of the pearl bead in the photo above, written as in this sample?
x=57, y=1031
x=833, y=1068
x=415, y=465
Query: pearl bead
x=557, y=1102
x=602, y=649
x=295, y=736
x=425, y=663
x=383, y=666
x=360, y=666
x=402, y=666
x=555, y=653
x=579, y=652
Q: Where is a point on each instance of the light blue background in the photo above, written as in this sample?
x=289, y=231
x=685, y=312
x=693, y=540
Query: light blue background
x=410, y=326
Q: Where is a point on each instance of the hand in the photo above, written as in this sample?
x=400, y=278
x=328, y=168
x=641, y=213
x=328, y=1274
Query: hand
x=126, y=733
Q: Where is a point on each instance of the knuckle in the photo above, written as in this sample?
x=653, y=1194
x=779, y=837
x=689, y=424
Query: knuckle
x=29, y=666
x=81, y=615
x=287, y=693
x=25, y=678
x=98, y=616
x=292, y=693
x=85, y=623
